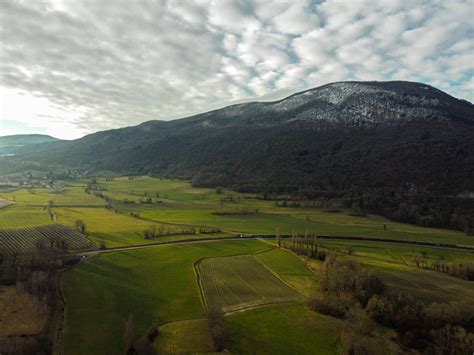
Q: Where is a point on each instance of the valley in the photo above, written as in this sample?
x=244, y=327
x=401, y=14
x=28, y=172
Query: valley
x=236, y=177
x=170, y=286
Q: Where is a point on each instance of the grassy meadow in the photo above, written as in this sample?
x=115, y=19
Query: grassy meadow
x=264, y=288
x=184, y=337
x=15, y=216
x=156, y=284
x=267, y=331
x=184, y=205
x=291, y=270
x=176, y=203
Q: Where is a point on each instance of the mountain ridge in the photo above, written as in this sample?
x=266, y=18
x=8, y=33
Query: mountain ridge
x=9, y=144
x=310, y=120
x=377, y=148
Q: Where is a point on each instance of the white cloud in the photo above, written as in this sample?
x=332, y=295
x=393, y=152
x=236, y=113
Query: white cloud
x=83, y=66
x=296, y=19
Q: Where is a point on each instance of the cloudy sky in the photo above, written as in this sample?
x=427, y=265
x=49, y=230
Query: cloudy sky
x=73, y=67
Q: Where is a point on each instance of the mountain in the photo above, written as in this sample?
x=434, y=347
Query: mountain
x=350, y=139
x=10, y=144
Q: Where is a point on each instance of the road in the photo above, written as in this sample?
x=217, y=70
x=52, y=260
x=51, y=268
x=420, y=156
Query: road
x=251, y=236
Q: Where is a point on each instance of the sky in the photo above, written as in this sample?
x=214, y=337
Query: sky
x=73, y=67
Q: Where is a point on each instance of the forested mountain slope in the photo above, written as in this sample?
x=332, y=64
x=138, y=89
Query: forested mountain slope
x=385, y=146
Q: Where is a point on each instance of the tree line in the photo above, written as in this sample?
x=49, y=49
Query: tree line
x=360, y=298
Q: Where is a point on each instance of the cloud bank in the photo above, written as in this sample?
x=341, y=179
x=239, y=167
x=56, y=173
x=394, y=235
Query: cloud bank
x=72, y=67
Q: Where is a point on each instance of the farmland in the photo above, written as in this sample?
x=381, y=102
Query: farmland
x=240, y=282
x=187, y=336
x=264, y=289
x=292, y=270
x=176, y=204
x=23, y=216
x=156, y=284
x=4, y=203
x=265, y=331
x=28, y=240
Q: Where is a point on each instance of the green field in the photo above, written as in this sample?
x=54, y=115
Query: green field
x=183, y=204
x=291, y=269
x=15, y=216
x=114, y=229
x=395, y=266
x=284, y=330
x=157, y=284
x=176, y=202
x=68, y=196
x=184, y=337
x=161, y=285
x=239, y=282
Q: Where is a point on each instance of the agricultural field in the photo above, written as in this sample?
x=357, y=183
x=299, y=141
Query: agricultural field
x=177, y=202
x=394, y=264
x=20, y=241
x=291, y=270
x=240, y=282
x=156, y=284
x=263, y=289
x=4, y=203
x=67, y=196
x=16, y=216
x=112, y=229
x=184, y=337
x=267, y=331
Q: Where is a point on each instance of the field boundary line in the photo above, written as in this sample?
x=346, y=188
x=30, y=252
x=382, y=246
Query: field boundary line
x=260, y=305
x=199, y=282
x=278, y=276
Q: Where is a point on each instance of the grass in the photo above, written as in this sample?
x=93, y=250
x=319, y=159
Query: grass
x=290, y=329
x=184, y=337
x=16, y=216
x=427, y=285
x=240, y=282
x=394, y=264
x=4, y=203
x=75, y=196
x=104, y=226
x=184, y=205
x=22, y=196
x=69, y=196
x=291, y=269
x=156, y=284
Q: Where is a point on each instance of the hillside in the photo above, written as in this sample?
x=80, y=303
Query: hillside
x=349, y=139
x=9, y=144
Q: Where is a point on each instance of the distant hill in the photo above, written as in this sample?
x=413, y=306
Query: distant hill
x=9, y=144
x=373, y=143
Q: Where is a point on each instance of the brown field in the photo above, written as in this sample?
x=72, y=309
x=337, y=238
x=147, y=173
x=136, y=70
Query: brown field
x=20, y=313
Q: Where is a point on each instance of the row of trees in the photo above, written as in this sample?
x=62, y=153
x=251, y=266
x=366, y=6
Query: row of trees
x=162, y=230
x=306, y=245
x=461, y=269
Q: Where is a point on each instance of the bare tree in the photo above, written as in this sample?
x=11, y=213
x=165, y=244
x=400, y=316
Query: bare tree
x=80, y=226
x=217, y=327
